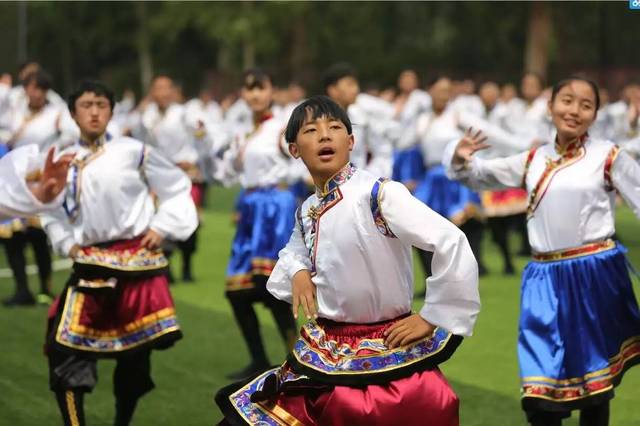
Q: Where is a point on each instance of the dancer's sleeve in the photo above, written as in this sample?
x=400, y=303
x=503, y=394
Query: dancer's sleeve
x=291, y=259
x=60, y=232
x=15, y=197
x=625, y=177
x=452, y=300
x=176, y=216
x=481, y=174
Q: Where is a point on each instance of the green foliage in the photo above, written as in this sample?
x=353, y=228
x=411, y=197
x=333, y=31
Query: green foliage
x=297, y=40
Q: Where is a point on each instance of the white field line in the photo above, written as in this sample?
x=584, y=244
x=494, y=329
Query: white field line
x=58, y=265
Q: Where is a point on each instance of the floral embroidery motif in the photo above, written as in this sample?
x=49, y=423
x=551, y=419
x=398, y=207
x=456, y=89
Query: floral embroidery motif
x=75, y=335
x=582, y=387
x=376, y=211
x=336, y=180
x=253, y=413
x=569, y=155
x=329, y=197
x=315, y=351
x=139, y=259
x=611, y=157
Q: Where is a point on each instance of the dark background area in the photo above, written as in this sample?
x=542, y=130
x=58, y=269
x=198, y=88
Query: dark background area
x=125, y=43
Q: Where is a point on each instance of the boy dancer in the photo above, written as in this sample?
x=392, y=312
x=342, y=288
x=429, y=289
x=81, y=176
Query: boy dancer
x=366, y=359
x=116, y=303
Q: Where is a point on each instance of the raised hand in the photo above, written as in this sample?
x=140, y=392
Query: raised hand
x=469, y=144
x=407, y=330
x=304, y=295
x=53, y=178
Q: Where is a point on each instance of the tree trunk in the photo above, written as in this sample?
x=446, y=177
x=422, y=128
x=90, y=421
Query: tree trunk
x=538, y=35
x=299, y=55
x=144, y=47
x=248, y=43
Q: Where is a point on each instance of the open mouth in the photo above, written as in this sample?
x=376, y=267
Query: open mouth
x=326, y=153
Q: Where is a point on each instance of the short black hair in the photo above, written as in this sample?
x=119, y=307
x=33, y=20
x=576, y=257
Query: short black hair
x=316, y=106
x=564, y=82
x=40, y=78
x=91, y=86
x=436, y=79
x=255, y=77
x=337, y=72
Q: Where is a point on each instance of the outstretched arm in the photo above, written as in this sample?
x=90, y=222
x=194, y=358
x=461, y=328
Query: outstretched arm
x=461, y=164
x=21, y=198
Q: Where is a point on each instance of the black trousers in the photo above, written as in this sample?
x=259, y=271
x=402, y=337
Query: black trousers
x=499, y=227
x=242, y=304
x=473, y=230
x=594, y=415
x=72, y=375
x=15, y=248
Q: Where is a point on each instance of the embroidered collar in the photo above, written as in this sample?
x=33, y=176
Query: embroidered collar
x=571, y=149
x=106, y=137
x=265, y=117
x=343, y=175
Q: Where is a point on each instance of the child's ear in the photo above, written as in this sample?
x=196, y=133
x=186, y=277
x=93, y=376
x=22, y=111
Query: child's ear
x=293, y=150
x=352, y=141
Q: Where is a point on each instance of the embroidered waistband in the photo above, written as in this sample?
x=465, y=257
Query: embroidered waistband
x=125, y=256
x=571, y=253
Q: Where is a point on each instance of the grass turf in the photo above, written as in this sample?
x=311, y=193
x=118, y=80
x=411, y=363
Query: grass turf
x=484, y=371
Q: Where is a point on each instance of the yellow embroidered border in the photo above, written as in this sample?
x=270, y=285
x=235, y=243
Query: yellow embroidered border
x=71, y=409
x=134, y=326
x=603, y=375
x=572, y=253
x=279, y=414
x=442, y=344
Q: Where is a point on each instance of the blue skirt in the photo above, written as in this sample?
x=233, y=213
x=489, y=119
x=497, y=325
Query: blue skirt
x=408, y=165
x=300, y=191
x=579, y=330
x=266, y=217
x=447, y=197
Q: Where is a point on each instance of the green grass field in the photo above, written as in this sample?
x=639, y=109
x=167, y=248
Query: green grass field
x=484, y=371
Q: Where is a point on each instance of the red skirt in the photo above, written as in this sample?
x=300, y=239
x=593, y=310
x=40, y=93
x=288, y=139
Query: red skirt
x=354, y=380
x=197, y=193
x=116, y=300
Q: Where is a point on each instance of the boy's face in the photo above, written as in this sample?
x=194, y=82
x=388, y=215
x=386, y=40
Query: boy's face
x=92, y=114
x=323, y=144
x=163, y=92
x=344, y=91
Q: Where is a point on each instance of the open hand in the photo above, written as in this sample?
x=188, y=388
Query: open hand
x=407, y=330
x=53, y=178
x=304, y=295
x=151, y=240
x=469, y=144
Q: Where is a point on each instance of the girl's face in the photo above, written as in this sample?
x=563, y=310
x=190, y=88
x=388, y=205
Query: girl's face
x=259, y=96
x=573, y=110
